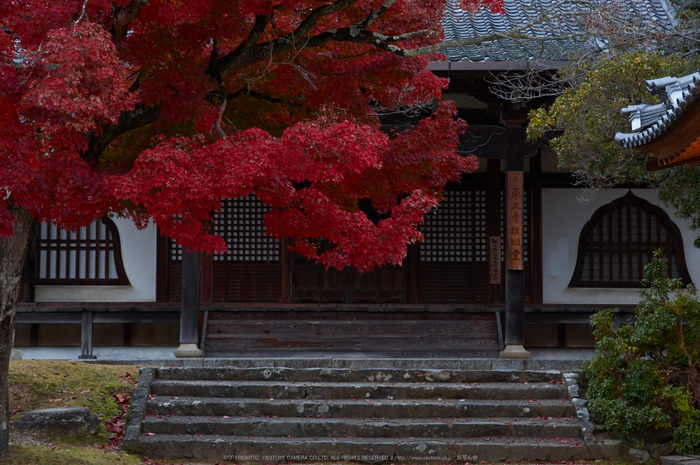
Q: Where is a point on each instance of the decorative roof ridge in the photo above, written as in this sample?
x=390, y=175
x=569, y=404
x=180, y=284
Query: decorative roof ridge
x=650, y=121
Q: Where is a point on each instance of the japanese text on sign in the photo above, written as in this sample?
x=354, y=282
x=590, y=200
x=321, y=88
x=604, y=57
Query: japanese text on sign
x=514, y=224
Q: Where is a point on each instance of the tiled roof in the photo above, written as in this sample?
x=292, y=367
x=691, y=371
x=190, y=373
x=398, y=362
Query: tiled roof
x=650, y=121
x=459, y=25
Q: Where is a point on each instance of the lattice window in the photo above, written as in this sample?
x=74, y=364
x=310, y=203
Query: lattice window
x=89, y=256
x=456, y=231
x=241, y=223
x=619, y=241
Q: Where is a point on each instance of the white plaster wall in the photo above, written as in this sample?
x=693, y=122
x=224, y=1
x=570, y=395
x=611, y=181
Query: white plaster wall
x=563, y=218
x=139, y=257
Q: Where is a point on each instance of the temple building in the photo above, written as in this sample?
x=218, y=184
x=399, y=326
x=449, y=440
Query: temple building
x=511, y=259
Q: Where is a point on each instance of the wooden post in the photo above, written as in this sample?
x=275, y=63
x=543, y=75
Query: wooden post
x=493, y=228
x=189, y=307
x=285, y=257
x=515, y=277
x=206, y=279
x=162, y=268
x=535, y=228
x=86, y=336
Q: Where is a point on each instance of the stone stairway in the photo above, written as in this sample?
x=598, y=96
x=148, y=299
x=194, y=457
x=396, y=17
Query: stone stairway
x=371, y=415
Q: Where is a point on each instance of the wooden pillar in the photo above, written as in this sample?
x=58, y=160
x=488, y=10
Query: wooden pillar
x=86, y=336
x=189, y=307
x=536, y=230
x=206, y=278
x=162, y=268
x=515, y=277
x=412, y=262
x=285, y=257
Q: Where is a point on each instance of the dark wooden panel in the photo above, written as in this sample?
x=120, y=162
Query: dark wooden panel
x=323, y=329
x=240, y=281
x=453, y=282
x=415, y=333
x=311, y=282
x=174, y=280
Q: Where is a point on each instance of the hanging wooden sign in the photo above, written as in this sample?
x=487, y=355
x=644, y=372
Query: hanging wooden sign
x=514, y=220
x=494, y=260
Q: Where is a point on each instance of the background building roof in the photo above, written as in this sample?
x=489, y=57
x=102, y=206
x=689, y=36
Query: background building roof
x=568, y=20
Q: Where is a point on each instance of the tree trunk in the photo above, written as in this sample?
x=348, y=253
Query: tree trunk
x=12, y=254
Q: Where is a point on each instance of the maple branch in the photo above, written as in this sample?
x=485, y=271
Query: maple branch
x=305, y=27
x=246, y=90
x=123, y=16
x=250, y=52
x=377, y=13
x=217, y=125
x=140, y=116
x=82, y=14
x=261, y=22
x=213, y=71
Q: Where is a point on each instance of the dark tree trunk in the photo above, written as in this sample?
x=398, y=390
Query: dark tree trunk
x=12, y=254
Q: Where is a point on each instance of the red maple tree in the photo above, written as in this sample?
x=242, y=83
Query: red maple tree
x=158, y=110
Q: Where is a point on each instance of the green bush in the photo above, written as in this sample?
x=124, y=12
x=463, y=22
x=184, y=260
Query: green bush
x=647, y=374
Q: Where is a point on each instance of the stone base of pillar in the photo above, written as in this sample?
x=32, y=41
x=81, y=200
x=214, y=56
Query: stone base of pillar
x=515, y=351
x=16, y=354
x=188, y=351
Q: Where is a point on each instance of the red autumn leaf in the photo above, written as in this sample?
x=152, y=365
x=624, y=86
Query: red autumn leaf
x=158, y=110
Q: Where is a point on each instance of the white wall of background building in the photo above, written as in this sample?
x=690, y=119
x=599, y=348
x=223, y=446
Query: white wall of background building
x=139, y=258
x=563, y=218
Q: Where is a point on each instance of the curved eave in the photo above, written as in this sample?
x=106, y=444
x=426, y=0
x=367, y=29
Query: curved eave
x=673, y=139
x=689, y=156
x=670, y=137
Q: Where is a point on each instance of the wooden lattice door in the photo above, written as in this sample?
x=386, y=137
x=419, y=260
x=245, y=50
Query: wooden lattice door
x=250, y=270
x=453, y=259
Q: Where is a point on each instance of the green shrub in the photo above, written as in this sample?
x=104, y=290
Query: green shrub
x=647, y=374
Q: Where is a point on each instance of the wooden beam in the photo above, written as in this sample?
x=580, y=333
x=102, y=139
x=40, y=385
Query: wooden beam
x=491, y=142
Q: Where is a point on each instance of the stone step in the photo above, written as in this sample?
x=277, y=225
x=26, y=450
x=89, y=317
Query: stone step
x=362, y=408
x=370, y=450
x=406, y=414
x=345, y=428
x=363, y=390
x=385, y=375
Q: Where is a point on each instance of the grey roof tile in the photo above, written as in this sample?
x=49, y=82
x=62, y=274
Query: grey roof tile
x=461, y=25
